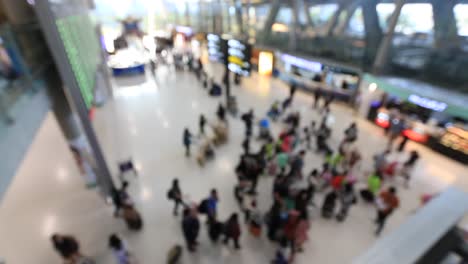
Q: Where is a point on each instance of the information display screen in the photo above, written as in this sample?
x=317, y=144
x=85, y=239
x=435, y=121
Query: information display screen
x=217, y=48
x=81, y=43
x=239, y=55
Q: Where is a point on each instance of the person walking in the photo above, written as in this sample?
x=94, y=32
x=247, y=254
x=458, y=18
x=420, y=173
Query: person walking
x=248, y=119
x=351, y=133
x=175, y=194
x=215, y=229
x=232, y=231
x=297, y=164
x=274, y=220
x=255, y=219
x=374, y=182
x=246, y=145
x=187, y=138
x=329, y=204
x=408, y=165
x=116, y=201
x=301, y=231
x=302, y=201
x=119, y=250
x=347, y=198
x=292, y=90
x=221, y=113
x=290, y=230
x=283, y=253
x=386, y=204
x=397, y=125
x=67, y=246
x=317, y=96
x=329, y=99
x=380, y=161
x=402, y=144
x=212, y=204
x=202, y=123
x=125, y=198
x=190, y=228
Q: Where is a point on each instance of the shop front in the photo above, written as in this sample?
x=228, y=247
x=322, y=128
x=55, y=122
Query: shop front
x=339, y=81
x=431, y=115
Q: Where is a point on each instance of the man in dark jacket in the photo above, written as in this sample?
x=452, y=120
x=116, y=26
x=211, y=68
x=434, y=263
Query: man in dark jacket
x=67, y=246
x=190, y=228
x=232, y=230
x=248, y=119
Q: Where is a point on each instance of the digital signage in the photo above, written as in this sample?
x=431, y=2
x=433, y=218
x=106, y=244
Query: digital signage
x=217, y=48
x=238, y=57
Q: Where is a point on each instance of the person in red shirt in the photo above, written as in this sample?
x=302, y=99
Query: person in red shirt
x=337, y=182
x=386, y=204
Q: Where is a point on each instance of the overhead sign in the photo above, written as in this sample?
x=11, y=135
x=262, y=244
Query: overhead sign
x=427, y=103
x=239, y=55
x=312, y=66
x=217, y=48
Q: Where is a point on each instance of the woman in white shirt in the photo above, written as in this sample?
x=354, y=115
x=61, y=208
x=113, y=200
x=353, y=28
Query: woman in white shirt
x=120, y=251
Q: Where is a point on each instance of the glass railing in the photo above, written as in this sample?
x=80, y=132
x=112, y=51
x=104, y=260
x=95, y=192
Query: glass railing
x=23, y=60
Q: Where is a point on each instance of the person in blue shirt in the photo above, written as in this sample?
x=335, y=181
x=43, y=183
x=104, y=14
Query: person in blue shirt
x=212, y=204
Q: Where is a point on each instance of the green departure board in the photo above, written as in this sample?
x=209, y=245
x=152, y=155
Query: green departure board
x=83, y=51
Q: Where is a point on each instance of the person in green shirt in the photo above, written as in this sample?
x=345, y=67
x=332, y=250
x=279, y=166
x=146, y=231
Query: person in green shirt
x=283, y=159
x=269, y=149
x=374, y=183
x=333, y=160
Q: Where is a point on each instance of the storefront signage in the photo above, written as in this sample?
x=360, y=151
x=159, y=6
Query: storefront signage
x=187, y=31
x=312, y=66
x=265, y=63
x=217, y=48
x=239, y=55
x=427, y=103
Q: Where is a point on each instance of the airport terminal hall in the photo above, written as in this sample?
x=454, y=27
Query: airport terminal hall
x=233, y=131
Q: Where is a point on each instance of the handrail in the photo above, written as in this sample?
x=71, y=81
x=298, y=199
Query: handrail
x=410, y=241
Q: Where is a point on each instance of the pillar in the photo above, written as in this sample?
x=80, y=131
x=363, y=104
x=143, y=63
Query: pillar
x=373, y=31
x=187, y=14
x=275, y=5
x=332, y=23
x=239, y=21
x=445, y=24
x=340, y=26
x=386, y=43
x=295, y=24
x=306, y=6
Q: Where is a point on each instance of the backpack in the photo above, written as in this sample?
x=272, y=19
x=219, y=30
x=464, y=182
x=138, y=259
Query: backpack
x=203, y=207
x=170, y=194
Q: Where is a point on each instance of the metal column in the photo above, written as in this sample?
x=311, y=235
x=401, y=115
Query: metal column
x=373, y=31
x=386, y=43
x=295, y=24
x=445, y=24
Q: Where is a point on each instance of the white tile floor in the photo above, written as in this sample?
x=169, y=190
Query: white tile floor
x=145, y=122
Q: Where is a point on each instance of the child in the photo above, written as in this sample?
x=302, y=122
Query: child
x=274, y=112
x=255, y=222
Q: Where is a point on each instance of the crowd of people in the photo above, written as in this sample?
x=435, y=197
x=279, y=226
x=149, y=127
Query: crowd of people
x=294, y=192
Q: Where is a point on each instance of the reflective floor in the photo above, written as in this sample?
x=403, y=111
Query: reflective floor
x=145, y=122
